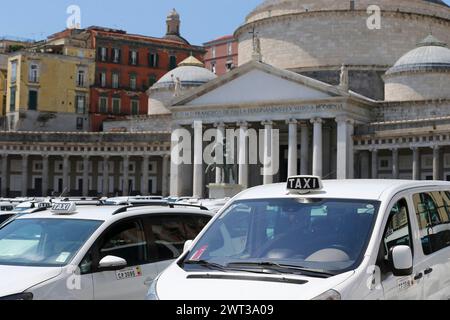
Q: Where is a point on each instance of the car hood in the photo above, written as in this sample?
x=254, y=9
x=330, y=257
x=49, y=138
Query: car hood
x=177, y=284
x=14, y=279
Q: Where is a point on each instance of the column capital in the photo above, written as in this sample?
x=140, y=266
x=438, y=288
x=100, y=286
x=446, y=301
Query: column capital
x=45, y=156
x=316, y=121
x=373, y=150
x=292, y=121
x=267, y=123
x=197, y=125
x=394, y=149
x=345, y=118
x=242, y=124
x=414, y=148
x=165, y=156
x=435, y=148
x=304, y=124
x=25, y=156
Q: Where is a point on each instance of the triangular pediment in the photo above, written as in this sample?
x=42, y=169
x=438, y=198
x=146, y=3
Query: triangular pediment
x=258, y=82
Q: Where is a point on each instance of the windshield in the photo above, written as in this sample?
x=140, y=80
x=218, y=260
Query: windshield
x=330, y=235
x=43, y=242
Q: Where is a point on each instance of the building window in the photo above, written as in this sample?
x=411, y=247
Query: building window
x=103, y=105
x=33, y=75
x=229, y=66
x=13, y=71
x=116, y=105
x=213, y=52
x=115, y=80
x=80, y=103
x=172, y=62
x=134, y=58
x=32, y=100
x=153, y=60
x=81, y=74
x=151, y=80
x=135, y=107
x=116, y=55
x=103, y=54
x=80, y=123
x=133, y=82
x=230, y=48
x=102, y=79
x=12, y=100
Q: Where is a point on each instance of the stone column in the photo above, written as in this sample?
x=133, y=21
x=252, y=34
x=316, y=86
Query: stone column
x=4, y=191
x=66, y=170
x=165, y=175
x=85, y=176
x=243, y=154
x=317, y=147
x=293, y=148
x=198, y=160
x=219, y=153
x=126, y=173
x=416, y=163
x=304, y=151
x=365, y=165
x=106, y=176
x=374, y=163
x=144, y=175
x=436, y=164
x=395, y=168
x=268, y=150
x=45, y=174
x=350, y=149
x=24, y=175
x=342, y=148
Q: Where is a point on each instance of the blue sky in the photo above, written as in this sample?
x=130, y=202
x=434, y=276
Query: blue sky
x=202, y=20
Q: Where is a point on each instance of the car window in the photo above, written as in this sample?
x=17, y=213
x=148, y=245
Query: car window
x=126, y=240
x=397, y=232
x=169, y=234
x=432, y=212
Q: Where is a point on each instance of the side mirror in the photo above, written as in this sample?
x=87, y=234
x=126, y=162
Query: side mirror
x=187, y=245
x=401, y=261
x=112, y=263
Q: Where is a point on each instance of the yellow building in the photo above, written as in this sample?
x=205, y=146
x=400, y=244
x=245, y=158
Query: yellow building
x=47, y=85
x=3, y=83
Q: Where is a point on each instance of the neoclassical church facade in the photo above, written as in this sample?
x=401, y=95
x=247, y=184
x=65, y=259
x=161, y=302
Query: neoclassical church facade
x=346, y=101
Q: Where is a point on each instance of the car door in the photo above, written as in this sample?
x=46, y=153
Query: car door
x=432, y=218
x=128, y=240
x=399, y=231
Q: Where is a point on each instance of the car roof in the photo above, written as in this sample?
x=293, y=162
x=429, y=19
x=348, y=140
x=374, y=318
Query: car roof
x=343, y=189
x=105, y=213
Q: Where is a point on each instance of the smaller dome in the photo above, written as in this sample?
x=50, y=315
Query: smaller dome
x=430, y=55
x=191, y=73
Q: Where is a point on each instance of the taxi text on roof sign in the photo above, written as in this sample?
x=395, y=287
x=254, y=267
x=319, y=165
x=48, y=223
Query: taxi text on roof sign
x=304, y=184
x=64, y=207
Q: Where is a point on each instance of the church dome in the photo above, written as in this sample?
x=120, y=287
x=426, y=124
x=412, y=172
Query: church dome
x=190, y=71
x=430, y=55
x=421, y=74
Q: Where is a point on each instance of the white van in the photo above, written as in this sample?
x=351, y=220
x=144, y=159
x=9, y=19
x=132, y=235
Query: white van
x=314, y=240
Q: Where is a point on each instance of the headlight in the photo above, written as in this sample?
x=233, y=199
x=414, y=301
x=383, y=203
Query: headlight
x=152, y=294
x=329, y=295
x=19, y=296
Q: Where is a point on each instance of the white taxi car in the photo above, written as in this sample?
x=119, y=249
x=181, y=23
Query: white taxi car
x=91, y=252
x=330, y=240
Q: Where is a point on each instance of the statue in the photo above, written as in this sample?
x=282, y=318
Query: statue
x=178, y=86
x=343, y=83
x=257, y=56
x=229, y=173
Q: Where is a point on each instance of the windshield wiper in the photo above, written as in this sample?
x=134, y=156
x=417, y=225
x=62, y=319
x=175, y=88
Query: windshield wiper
x=206, y=264
x=292, y=269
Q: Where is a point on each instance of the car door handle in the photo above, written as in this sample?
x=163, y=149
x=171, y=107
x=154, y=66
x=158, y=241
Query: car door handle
x=418, y=276
x=428, y=271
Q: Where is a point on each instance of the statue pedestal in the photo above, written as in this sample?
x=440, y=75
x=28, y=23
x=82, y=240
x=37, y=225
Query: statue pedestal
x=224, y=190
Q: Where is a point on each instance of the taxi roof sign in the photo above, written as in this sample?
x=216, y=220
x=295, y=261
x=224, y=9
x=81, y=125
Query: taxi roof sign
x=64, y=208
x=304, y=184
